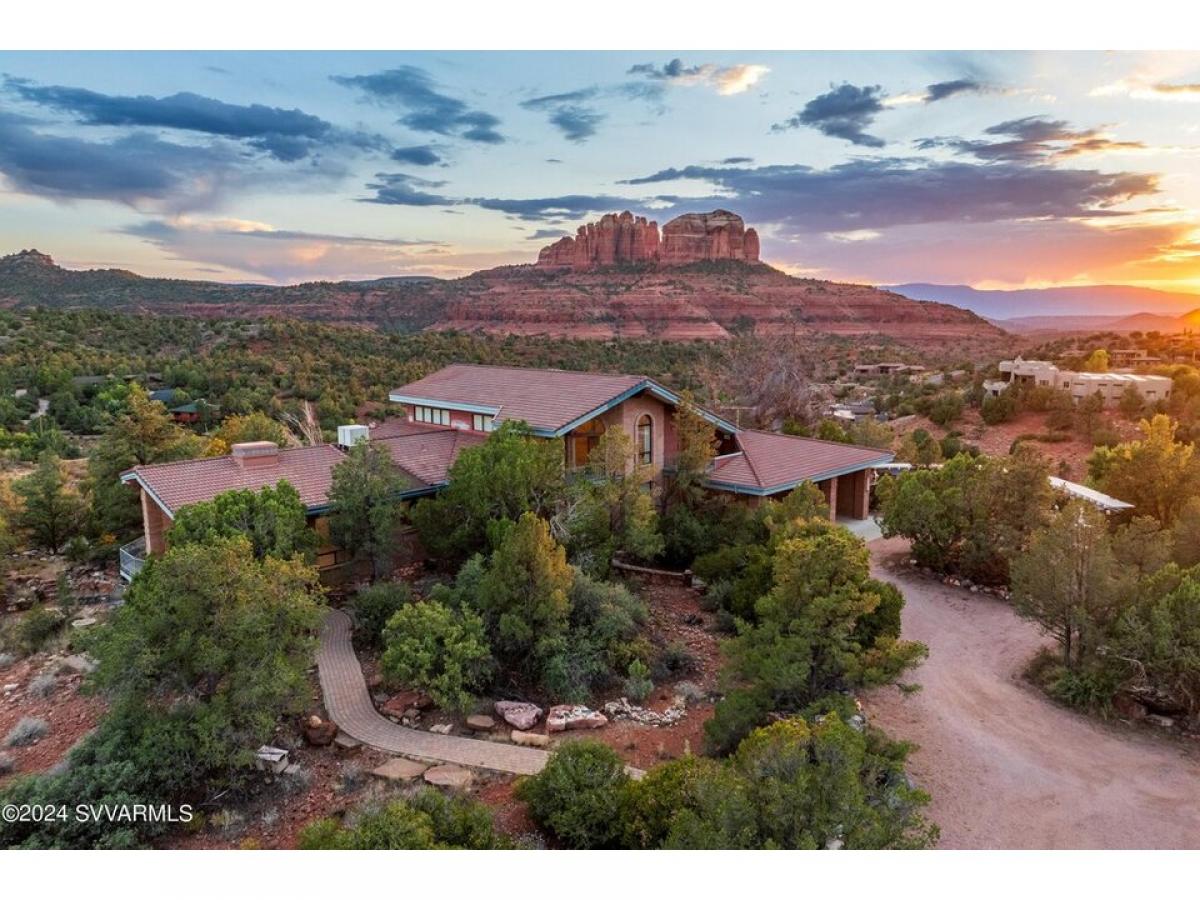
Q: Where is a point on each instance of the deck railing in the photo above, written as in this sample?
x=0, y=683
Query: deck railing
x=133, y=557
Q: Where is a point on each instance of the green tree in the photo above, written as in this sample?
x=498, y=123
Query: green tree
x=1096, y=362
x=365, y=509
x=254, y=426
x=795, y=786
x=441, y=651
x=1156, y=641
x=815, y=633
x=51, y=512
x=1185, y=544
x=612, y=509
x=511, y=473
x=1068, y=580
x=1157, y=474
x=697, y=446
x=946, y=408
x=579, y=796
x=141, y=434
x=1131, y=403
x=216, y=642
x=524, y=595
x=274, y=519
x=998, y=410
x=374, y=607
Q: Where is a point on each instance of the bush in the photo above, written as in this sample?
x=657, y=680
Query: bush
x=41, y=686
x=652, y=802
x=428, y=820
x=578, y=797
x=674, y=660
x=374, y=607
x=736, y=715
x=431, y=647
x=6, y=660
x=7, y=763
x=36, y=627
x=638, y=685
x=27, y=731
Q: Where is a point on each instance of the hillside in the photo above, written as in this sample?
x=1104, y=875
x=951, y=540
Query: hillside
x=706, y=284
x=1093, y=301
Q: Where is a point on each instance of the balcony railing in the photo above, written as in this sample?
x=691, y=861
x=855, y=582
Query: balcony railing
x=133, y=557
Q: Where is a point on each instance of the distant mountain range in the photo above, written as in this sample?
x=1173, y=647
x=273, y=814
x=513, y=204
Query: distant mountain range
x=564, y=296
x=1114, y=307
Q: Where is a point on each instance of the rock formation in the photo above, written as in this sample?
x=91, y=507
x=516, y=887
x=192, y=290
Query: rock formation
x=619, y=239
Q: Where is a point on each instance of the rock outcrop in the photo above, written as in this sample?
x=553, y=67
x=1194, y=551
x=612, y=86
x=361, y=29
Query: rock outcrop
x=624, y=239
x=697, y=237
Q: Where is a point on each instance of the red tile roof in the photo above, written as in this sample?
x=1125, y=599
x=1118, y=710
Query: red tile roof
x=427, y=455
x=767, y=463
x=178, y=484
x=546, y=399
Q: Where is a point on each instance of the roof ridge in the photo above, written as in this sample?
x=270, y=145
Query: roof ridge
x=801, y=437
x=201, y=459
x=750, y=464
x=537, y=369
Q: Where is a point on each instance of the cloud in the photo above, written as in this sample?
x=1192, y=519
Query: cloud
x=398, y=189
x=418, y=156
x=737, y=160
x=568, y=114
x=548, y=234
x=139, y=169
x=876, y=194
x=725, y=80
x=542, y=208
x=844, y=112
x=428, y=109
x=241, y=247
x=1143, y=88
x=1035, y=139
x=945, y=89
x=286, y=134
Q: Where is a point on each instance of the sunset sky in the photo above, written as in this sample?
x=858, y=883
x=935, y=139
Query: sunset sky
x=996, y=169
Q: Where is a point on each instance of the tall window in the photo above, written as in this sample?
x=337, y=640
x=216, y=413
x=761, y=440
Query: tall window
x=482, y=423
x=645, y=440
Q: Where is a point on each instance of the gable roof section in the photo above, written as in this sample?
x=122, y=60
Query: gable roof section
x=428, y=455
x=768, y=463
x=175, y=485
x=550, y=401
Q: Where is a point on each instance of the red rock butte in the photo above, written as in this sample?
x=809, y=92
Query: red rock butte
x=619, y=239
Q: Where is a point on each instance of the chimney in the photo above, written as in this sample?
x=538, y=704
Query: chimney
x=256, y=454
x=349, y=435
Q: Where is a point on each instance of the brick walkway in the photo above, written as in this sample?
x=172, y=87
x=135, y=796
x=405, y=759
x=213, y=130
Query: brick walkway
x=349, y=705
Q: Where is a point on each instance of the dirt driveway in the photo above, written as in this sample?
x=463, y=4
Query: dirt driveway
x=1007, y=768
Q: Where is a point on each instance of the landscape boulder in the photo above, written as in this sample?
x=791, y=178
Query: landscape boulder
x=530, y=738
x=399, y=704
x=400, y=769
x=449, y=776
x=481, y=723
x=519, y=715
x=318, y=732
x=569, y=717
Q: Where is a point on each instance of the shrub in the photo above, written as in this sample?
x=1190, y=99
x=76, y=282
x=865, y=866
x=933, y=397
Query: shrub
x=7, y=763
x=737, y=714
x=652, y=802
x=428, y=820
x=674, y=660
x=638, y=685
x=577, y=798
x=6, y=660
x=36, y=627
x=374, y=607
x=431, y=647
x=27, y=731
x=41, y=686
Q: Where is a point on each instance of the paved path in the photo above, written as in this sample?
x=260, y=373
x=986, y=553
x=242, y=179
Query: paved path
x=349, y=705
x=1006, y=767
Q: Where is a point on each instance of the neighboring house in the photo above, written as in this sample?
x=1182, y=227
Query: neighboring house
x=1110, y=385
x=458, y=406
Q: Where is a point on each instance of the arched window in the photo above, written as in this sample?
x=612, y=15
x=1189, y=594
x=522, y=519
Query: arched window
x=645, y=440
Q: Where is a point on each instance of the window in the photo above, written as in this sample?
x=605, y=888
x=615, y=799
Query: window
x=431, y=416
x=645, y=440
x=482, y=423
x=582, y=441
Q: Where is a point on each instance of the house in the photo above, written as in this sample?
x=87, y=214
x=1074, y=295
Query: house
x=1110, y=385
x=459, y=405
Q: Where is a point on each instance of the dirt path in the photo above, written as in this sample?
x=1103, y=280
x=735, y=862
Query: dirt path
x=1006, y=767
